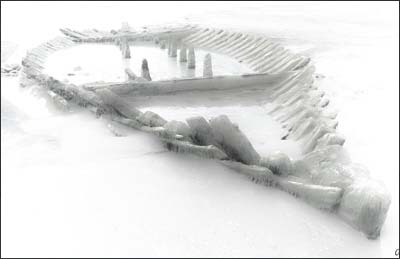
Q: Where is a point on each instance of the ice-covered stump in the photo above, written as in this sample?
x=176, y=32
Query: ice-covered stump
x=364, y=205
x=151, y=119
x=145, y=70
x=233, y=141
x=201, y=131
x=207, y=67
x=279, y=163
x=183, y=54
x=191, y=59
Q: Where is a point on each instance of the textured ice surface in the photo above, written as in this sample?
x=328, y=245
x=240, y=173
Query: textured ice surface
x=178, y=127
x=112, y=99
x=279, y=163
x=364, y=204
x=233, y=141
x=263, y=132
x=201, y=131
x=151, y=119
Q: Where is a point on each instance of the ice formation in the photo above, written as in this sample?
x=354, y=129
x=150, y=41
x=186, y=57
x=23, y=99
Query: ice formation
x=151, y=119
x=279, y=164
x=183, y=54
x=191, y=58
x=130, y=74
x=173, y=49
x=201, y=131
x=324, y=176
x=145, y=70
x=207, y=67
x=232, y=140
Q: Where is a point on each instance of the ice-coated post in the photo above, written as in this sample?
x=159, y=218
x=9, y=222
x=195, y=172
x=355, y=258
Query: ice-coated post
x=183, y=54
x=162, y=44
x=169, y=48
x=124, y=47
x=191, y=58
x=207, y=67
x=126, y=51
x=145, y=70
x=173, y=52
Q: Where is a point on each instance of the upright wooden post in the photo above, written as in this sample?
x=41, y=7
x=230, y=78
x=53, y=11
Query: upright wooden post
x=183, y=54
x=145, y=70
x=191, y=59
x=207, y=67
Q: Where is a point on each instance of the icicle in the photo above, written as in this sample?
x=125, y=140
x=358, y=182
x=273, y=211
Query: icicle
x=145, y=70
x=207, y=67
x=191, y=58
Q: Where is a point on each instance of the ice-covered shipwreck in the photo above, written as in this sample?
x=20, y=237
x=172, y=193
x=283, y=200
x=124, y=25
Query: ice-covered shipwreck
x=324, y=177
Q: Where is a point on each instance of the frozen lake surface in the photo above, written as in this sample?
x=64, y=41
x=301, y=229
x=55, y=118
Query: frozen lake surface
x=93, y=62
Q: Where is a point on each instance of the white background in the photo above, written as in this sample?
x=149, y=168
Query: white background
x=69, y=188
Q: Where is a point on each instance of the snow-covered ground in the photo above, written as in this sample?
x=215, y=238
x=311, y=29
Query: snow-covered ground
x=71, y=188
